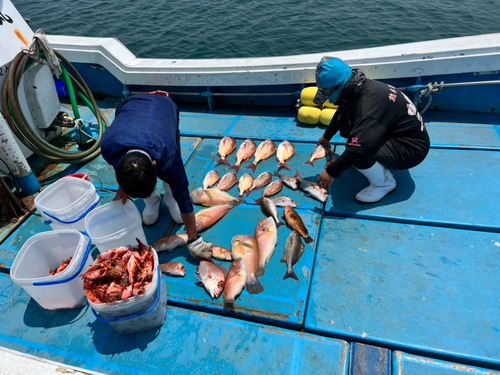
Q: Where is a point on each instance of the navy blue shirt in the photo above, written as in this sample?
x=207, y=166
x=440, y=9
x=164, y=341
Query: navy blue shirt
x=150, y=123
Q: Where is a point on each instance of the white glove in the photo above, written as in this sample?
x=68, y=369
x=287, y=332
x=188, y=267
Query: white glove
x=200, y=250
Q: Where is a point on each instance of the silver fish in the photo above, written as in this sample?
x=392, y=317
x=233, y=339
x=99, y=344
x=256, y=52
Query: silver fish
x=268, y=208
x=291, y=182
x=294, y=248
x=312, y=189
x=283, y=201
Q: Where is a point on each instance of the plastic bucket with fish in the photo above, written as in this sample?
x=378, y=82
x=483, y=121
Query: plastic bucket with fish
x=44, y=252
x=66, y=203
x=137, y=314
x=115, y=224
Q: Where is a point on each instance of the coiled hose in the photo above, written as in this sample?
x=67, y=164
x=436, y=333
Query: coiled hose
x=20, y=127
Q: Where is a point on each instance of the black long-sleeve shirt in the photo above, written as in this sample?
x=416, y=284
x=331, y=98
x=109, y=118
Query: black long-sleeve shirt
x=377, y=112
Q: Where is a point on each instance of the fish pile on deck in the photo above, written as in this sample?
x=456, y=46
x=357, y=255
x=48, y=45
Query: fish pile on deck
x=249, y=253
x=120, y=273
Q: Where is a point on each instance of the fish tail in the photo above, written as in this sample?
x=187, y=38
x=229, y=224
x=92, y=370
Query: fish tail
x=310, y=162
x=236, y=167
x=279, y=223
x=275, y=173
x=241, y=200
x=297, y=175
x=308, y=239
x=284, y=165
x=229, y=301
x=252, y=166
x=254, y=286
x=223, y=161
x=236, y=202
x=257, y=201
x=262, y=270
x=248, y=192
x=290, y=273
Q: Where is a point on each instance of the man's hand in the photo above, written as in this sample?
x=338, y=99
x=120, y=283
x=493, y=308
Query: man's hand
x=325, y=142
x=200, y=250
x=325, y=180
x=121, y=195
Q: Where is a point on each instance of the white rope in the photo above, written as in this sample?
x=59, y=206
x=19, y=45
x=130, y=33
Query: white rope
x=429, y=89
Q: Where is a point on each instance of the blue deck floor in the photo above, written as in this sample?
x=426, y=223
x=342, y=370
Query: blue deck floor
x=416, y=273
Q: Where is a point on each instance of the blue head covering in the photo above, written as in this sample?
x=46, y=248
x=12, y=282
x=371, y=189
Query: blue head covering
x=331, y=76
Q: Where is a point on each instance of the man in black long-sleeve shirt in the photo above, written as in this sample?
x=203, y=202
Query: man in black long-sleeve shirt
x=382, y=126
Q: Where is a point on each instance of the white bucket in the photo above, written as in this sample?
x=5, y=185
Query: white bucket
x=44, y=252
x=115, y=224
x=136, y=314
x=66, y=202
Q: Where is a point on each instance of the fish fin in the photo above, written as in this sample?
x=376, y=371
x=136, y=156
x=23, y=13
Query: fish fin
x=290, y=274
x=306, y=195
x=276, y=174
x=310, y=162
x=257, y=201
x=283, y=260
x=252, y=166
x=198, y=283
x=236, y=167
x=284, y=165
x=297, y=174
x=308, y=239
x=223, y=268
x=254, y=286
x=261, y=271
x=302, y=248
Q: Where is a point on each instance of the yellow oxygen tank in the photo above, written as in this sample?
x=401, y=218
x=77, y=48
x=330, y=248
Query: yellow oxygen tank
x=307, y=95
x=326, y=115
x=309, y=115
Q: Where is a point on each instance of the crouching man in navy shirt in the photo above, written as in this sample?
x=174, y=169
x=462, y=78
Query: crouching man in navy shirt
x=143, y=144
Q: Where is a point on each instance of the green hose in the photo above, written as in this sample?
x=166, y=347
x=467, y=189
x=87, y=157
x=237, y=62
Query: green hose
x=23, y=130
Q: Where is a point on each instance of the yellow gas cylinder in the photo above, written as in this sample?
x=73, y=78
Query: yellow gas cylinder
x=327, y=104
x=309, y=115
x=326, y=115
x=307, y=95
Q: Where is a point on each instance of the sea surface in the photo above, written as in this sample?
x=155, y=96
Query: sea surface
x=187, y=29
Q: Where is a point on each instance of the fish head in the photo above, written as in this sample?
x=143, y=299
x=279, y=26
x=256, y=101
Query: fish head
x=196, y=195
x=214, y=286
x=179, y=269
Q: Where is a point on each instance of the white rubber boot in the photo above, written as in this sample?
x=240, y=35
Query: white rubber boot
x=171, y=203
x=151, y=212
x=381, y=183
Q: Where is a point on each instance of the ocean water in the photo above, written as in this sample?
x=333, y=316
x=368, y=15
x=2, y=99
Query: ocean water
x=187, y=29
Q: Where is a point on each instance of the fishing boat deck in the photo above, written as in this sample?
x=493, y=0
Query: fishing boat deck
x=406, y=285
